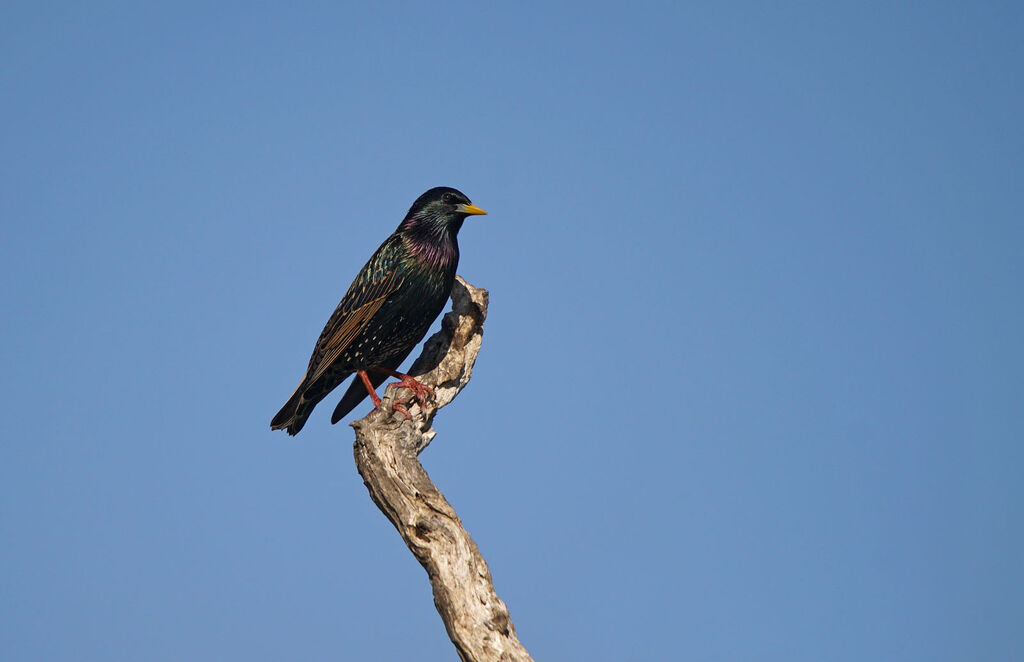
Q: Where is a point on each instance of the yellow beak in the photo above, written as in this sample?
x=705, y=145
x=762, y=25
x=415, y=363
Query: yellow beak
x=470, y=209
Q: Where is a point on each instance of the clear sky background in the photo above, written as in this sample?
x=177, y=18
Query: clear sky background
x=751, y=385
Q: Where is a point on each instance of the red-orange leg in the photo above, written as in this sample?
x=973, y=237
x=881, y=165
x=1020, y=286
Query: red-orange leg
x=369, y=387
x=396, y=406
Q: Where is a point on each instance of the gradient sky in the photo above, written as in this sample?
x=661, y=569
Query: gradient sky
x=752, y=383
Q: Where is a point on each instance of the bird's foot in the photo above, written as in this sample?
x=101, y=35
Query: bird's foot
x=419, y=390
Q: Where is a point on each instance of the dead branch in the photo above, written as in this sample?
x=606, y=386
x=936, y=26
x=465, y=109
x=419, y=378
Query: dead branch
x=386, y=450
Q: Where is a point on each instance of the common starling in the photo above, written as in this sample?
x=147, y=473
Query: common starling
x=387, y=310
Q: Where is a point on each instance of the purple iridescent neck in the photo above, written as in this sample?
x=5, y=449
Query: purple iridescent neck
x=431, y=242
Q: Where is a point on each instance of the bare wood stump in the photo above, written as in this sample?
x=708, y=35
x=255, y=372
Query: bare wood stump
x=386, y=450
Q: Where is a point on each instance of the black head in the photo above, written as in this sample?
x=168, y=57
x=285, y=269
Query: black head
x=442, y=207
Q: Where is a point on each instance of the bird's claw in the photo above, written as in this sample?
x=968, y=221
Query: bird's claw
x=396, y=406
x=399, y=407
x=419, y=391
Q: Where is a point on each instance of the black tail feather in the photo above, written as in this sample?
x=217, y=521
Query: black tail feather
x=300, y=405
x=289, y=418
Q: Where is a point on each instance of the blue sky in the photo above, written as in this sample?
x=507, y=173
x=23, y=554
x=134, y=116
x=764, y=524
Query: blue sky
x=751, y=383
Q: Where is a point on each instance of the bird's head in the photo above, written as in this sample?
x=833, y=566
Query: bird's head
x=440, y=209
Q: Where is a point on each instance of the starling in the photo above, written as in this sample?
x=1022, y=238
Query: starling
x=386, y=311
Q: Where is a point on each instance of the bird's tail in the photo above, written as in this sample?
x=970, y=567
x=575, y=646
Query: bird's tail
x=295, y=412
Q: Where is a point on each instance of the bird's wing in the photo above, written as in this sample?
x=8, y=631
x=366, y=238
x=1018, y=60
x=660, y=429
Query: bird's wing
x=358, y=307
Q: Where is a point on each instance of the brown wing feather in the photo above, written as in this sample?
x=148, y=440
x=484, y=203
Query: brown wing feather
x=334, y=343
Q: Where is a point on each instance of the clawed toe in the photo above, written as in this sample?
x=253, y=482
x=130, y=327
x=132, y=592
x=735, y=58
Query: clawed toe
x=420, y=391
x=399, y=407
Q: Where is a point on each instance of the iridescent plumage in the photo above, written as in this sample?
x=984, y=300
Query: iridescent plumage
x=388, y=308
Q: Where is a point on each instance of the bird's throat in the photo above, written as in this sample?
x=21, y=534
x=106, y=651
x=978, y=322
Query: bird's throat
x=433, y=249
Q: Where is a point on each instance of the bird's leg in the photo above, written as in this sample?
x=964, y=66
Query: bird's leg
x=369, y=387
x=421, y=391
x=376, y=399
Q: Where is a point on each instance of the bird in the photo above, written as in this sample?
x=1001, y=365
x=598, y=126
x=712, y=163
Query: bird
x=386, y=311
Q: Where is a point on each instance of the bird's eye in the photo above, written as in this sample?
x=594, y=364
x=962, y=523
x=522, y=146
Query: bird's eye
x=448, y=198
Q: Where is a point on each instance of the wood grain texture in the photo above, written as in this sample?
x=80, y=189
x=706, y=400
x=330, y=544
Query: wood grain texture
x=386, y=450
